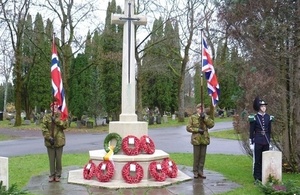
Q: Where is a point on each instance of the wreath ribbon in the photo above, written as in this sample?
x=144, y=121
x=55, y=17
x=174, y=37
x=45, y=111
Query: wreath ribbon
x=109, y=155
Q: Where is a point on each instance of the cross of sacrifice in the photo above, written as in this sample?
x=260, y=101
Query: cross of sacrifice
x=128, y=63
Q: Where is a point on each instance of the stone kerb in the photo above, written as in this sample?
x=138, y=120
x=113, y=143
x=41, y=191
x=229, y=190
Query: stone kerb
x=271, y=165
x=4, y=171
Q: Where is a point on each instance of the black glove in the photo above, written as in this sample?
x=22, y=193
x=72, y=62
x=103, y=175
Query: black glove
x=51, y=141
x=201, y=131
x=202, y=115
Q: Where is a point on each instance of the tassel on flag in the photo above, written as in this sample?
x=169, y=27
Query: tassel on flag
x=57, y=84
x=210, y=74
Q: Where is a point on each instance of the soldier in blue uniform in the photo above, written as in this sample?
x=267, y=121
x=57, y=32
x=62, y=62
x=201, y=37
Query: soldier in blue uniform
x=260, y=132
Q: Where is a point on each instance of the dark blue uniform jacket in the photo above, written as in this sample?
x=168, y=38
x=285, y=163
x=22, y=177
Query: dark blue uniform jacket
x=260, y=128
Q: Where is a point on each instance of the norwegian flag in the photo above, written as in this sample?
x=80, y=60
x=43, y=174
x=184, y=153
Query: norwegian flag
x=57, y=84
x=210, y=74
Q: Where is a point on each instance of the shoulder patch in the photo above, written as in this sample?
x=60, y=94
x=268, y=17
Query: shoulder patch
x=251, y=118
x=272, y=118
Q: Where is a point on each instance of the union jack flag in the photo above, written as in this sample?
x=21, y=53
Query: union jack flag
x=210, y=74
x=57, y=84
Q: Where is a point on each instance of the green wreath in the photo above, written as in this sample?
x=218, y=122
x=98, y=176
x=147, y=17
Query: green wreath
x=108, y=138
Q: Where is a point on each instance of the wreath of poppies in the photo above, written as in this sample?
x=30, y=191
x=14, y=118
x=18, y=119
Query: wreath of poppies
x=147, y=145
x=169, y=167
x=130, y=176
x=105, y=171
x=156, y=171
x=89, y=170
x=129, y=150
x=110, y=137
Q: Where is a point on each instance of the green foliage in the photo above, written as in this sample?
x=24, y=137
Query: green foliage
x=79, y=86
x=161, y=68
x=12, y=190
x=274, y=186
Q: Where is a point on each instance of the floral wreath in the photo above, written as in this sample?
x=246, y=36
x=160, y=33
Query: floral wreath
x=89, y=170
x=128, y=150
x=139, y=173
x=169, y=167
x=156, y=173
x=110, y=137
x=147, y=145
x=106, y=174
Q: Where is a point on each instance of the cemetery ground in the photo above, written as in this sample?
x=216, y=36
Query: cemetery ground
x=237, y=168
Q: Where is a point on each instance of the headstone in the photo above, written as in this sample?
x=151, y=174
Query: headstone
x=271, y=166
x=27, y=122
x=165, y=118
x=173, y=116
x=12, y=121
x=4, y=171
x=101, y=121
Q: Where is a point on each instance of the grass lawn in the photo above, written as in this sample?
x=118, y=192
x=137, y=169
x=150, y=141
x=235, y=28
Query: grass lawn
x=236, y=168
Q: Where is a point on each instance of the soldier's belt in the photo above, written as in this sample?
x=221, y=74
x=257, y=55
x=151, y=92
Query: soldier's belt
x=261, y=132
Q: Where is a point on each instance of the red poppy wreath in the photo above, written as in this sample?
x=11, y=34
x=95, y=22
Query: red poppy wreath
x=126, y=145
x=156, y=171
x=105, y=171
x=169, y=167
x=147, y=145
x=132, y=172
x=89, y=170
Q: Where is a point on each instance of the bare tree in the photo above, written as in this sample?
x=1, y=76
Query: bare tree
x=14, y=14
x=6, y=65
x=192, y=16
x=70, y=18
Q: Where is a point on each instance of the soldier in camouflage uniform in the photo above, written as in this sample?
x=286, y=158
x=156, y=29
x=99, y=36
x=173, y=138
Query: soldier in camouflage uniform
x=198, y=125
x=260, y=134
x=54, y=139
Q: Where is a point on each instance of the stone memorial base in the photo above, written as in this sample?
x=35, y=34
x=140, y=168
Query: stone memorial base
x=127, y=126
x=76, y=176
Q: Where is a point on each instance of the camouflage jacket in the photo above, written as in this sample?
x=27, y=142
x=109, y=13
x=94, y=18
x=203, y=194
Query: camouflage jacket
x=194, y=124
x=58, y=127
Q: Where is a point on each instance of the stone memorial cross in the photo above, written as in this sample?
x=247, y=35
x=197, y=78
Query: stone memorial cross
x=128, y=66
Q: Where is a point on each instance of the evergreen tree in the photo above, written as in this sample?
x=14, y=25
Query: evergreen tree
x=39, y=80
x=111, y=64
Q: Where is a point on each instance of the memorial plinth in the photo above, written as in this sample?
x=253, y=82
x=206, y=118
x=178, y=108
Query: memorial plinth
x=120, y=160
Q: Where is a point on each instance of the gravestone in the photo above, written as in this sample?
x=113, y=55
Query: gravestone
x=27, y=122
x=4, y=171
x=165, y=118
x=271, y=165
x=173, y=117
x=12, y=121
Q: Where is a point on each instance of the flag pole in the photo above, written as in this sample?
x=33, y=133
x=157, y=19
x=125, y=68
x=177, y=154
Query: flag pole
x=53, y=98
x=201, y=73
